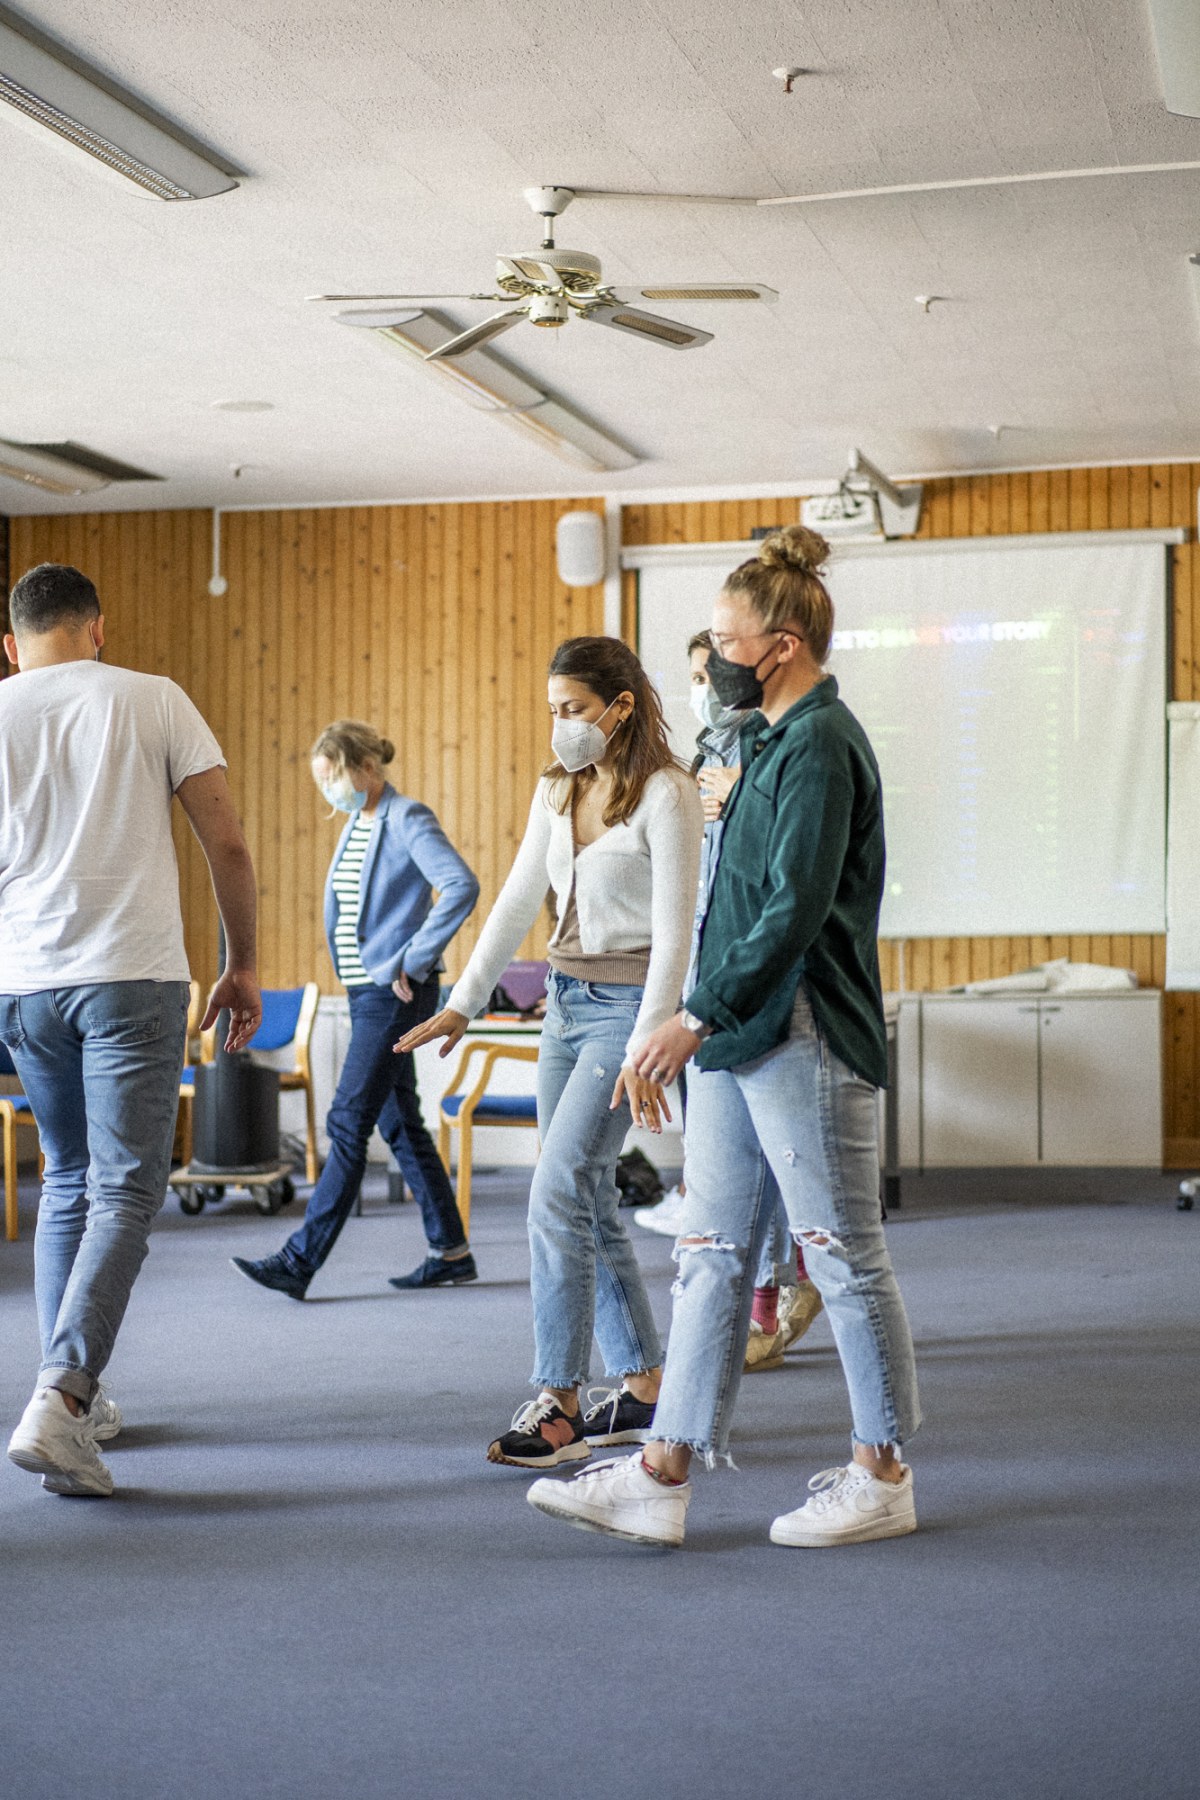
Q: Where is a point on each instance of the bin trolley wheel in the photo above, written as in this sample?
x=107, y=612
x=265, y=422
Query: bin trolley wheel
x=191, y=1201
x=1187, y=1196
x=212, y=1192
x=275, y=1194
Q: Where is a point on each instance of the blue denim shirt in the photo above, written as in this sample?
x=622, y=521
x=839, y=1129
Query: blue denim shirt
x=399, y=931
x=714, y=749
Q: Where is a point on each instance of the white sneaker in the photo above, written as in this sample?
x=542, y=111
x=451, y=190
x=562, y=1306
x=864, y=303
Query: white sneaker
x=104, y=1416
x=51, y=1442
x=665, y=1217
x=618, y=1497
x=849, y=1506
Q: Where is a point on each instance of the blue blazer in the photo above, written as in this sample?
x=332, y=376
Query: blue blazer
x=408, y=855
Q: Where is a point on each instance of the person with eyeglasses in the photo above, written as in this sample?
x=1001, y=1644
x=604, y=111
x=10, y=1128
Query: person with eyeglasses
x=785, y=1026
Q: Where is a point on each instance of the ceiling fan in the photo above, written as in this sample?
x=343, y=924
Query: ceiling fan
x=548, y=286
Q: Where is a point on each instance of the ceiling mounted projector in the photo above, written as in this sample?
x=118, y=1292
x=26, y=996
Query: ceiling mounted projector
x=866, y=505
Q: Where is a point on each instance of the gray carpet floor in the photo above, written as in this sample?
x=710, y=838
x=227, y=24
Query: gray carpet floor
x=311, y=1584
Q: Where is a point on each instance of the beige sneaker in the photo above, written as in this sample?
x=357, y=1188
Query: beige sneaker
x=798, y=1307
x=52, y=1442
x=764, y=1349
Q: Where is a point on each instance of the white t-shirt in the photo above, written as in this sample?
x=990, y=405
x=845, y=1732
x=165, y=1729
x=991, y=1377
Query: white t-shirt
x=90, y=757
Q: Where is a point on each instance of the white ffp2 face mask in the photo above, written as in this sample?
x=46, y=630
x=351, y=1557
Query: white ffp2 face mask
x=708, y=709
x=578, y=743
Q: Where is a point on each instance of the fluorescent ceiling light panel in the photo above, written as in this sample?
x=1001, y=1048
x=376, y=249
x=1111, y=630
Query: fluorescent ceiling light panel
x=53, y=474
x=1176, y=25
x=493, y=387
x=45, y=83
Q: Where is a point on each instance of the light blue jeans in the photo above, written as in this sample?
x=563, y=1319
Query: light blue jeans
x=584, y=1275
x=799, y=1120
x=101, y=1066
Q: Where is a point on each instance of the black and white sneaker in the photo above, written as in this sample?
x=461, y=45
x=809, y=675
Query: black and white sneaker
x=541, y=1436
x=617, y=1418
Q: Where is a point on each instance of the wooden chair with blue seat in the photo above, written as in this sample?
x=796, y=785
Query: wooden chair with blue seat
x=15, y=1110
x=462, y=1111
x=288, y=1017
x=187, y=1080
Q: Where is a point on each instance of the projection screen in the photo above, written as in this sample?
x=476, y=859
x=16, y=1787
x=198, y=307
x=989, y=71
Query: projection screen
x=1015, y=697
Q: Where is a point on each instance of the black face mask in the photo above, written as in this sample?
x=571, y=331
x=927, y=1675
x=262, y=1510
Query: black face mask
x=736, y=684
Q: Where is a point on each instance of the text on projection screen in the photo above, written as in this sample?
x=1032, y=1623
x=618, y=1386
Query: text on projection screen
x=1016, y=702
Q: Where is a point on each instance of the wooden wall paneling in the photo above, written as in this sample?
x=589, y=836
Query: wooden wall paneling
x=1025, y=502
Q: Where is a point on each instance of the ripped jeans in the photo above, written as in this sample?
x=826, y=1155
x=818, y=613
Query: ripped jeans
x=584, y=1275
x=799, y=1115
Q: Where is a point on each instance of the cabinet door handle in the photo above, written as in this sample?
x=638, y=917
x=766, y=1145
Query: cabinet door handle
x=1027, y=1009
x=1046, y=1010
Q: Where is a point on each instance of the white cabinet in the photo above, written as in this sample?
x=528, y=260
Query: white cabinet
x=1005, y=1081
x=979, y=1086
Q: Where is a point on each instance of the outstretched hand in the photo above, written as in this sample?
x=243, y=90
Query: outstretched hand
x=646, y=1100
x=238, y=991
x=447, y=1023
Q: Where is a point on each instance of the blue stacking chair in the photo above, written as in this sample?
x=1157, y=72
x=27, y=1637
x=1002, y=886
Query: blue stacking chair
x=461, y=1111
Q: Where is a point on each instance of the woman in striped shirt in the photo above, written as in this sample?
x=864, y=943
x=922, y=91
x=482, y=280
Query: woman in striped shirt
x=386, y=936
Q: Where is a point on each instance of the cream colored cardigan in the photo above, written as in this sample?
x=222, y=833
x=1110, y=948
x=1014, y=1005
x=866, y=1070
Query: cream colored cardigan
x=635, y=885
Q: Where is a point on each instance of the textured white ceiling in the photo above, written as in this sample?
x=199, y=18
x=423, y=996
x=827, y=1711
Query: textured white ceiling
x=386, y=144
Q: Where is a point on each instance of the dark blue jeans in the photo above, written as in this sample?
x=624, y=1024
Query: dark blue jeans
x=377, y=1088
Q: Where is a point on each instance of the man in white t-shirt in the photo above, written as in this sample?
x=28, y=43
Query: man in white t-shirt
x=94, y=978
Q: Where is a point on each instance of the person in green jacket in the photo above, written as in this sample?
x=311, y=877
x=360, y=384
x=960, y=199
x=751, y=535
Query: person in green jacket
x=785, y=1023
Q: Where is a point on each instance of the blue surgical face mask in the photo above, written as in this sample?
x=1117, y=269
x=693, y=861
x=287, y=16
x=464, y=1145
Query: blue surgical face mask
x=341, y=795
x=708, y=709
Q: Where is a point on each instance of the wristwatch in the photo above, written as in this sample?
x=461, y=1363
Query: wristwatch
x=692, y=1023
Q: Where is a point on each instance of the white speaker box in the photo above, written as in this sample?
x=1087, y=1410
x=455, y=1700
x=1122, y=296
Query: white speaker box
x=579, y=548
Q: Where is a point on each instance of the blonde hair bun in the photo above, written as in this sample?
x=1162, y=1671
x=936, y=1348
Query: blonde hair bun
x=353, y=744
x=794, y=547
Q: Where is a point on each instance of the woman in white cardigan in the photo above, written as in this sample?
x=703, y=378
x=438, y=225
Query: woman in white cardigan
x=615, y=829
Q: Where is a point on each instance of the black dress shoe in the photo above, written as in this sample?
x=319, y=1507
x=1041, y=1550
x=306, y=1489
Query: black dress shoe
x=273, y=1272
x=438, y=1271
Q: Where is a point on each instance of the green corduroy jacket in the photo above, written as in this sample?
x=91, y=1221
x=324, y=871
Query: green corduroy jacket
x=797, y=893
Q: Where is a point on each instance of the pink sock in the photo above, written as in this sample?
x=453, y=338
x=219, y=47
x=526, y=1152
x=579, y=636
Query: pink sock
x=765, y=1311
x=801, y=1271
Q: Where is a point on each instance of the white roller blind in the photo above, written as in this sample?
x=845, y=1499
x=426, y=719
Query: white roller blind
x=1016, y=702
x=1183, y=847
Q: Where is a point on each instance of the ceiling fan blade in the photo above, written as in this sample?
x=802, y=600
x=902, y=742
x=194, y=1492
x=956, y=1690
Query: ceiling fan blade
x=478, y=334
x=706, y=290
x=378, y=318
x=412, y=299
x=647, y=325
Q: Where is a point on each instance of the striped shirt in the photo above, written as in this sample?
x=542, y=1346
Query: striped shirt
x=346, y=881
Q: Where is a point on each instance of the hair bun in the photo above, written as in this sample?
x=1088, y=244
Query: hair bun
x=794, y=547
x=387, y=750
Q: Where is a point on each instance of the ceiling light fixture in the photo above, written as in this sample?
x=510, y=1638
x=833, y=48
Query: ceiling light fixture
x=1176, y=28
x=34, y=467
x=49, y=85
x=493, y=387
